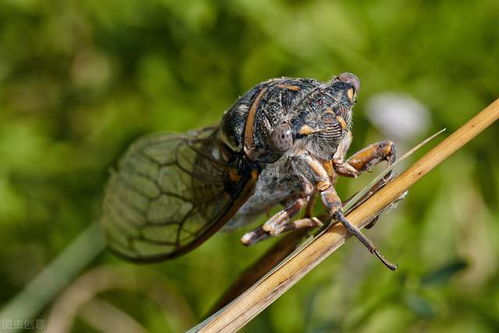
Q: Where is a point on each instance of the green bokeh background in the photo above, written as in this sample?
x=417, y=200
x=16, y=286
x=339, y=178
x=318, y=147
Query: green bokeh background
x=79, y=80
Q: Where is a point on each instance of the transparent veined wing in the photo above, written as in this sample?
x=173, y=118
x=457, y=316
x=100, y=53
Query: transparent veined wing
x=169, y=193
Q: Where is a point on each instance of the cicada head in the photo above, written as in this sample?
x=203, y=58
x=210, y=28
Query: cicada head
x=325, y=116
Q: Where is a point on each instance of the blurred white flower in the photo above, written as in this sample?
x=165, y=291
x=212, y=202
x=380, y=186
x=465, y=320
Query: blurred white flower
x=398, y=116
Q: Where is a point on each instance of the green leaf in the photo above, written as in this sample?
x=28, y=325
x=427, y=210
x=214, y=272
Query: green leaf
x=443, y=274
x=419, y=305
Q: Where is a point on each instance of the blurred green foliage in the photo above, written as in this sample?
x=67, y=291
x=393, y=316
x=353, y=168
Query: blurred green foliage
x=79, y=80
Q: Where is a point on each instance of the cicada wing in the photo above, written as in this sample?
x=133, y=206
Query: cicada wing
x=170, y=193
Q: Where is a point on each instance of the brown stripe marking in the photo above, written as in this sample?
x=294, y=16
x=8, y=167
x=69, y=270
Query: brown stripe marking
x=234, y=176
x=350, y=94
x=305, y=130
x=342, y=122
x=289, y=87
x=249, y=128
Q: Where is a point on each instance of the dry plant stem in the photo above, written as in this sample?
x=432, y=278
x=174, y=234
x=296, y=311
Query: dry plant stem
x=259, y=296
x=261, y=267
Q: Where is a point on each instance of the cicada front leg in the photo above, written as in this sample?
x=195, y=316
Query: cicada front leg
x=364, y=160
x=340, y=166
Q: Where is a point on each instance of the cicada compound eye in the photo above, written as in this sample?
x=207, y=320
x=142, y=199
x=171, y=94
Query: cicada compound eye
x=282, y=137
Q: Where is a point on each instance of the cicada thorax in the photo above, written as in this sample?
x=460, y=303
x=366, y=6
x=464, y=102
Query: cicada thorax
x=248, y=126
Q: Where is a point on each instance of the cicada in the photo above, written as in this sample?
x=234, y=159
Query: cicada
x=282, y=143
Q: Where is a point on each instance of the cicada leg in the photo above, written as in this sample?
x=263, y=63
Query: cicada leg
x=281, y=222
x=254, y=236
x=259, y=234
x=310, y=205
x=306, y=222
x=340, y=166
x=274, y=224
x=364, y=160
x=333, y=204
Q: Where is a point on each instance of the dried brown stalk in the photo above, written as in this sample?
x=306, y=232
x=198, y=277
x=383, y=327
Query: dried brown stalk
x=244, y=308
x=262, y=266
